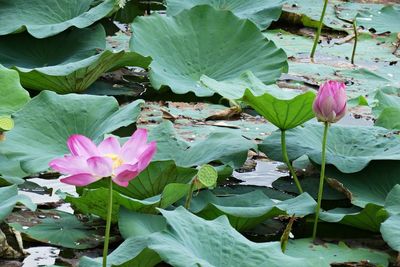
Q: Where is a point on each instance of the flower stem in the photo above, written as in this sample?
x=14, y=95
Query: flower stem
x=108, y=224
x=319, y=29
x=321, y=180
x=287, y=161
x=355, y=41
x=190, y=194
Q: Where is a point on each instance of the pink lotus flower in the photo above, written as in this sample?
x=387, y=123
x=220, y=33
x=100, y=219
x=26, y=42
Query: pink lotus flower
x=89, y=163
x=330, y=103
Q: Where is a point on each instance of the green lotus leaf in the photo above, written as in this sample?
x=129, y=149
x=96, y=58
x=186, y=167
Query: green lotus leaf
x=247, y=210
x=10, y=171
x=186, y=242
x=390, y=231
x=61, y=229
x=299, y=46
x=68, y=62
x=49, y=119
x=94, y=201
x=325, y=254
x=370, y=185
x=196, y=42
x=384, y=100
x=392, y=202
x=282, y=110
x=349, y=148
x=9, y=197
x=222, y=146
x=262, y=13
x=235, y=88
x=308, y=13
x=385, y=20
x=389, y=118
x=152, y=181
x=13, y=96
x=369, y=218
x=44, y=18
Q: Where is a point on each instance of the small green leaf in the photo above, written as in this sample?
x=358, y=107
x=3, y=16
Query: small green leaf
x=6, y=123
x=207, y=175
x=283, y=109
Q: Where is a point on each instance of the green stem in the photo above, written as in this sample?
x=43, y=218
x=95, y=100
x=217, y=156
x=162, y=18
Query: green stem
x=321, y=180
x=287, y=161
x=286, y=233
x=355, y=41
x=319, y=29
x=190, y=194
x=108, y=225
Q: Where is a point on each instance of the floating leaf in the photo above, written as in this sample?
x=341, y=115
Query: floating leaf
x=60, y=229
x=284, y=111
x=385, y=20
x=44, y=18
x=262, y=13
x=349, y=148
x=202, y=45
x=60, y=117
x=325, y=254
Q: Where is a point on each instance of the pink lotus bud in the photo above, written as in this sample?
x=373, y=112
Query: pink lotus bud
x=330, y=103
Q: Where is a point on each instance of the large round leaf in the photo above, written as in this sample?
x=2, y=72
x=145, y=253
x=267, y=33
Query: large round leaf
x=262, y=13
x=68, y=62
x=349, y=148
x=13, y=96
x=192, y=241
x=43, y=126
x=44, y=18
x=197, y=42
x=325, y=254
x=385, y=20
x=370, y=185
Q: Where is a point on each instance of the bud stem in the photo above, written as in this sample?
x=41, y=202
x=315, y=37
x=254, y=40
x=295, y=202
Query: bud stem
x=319, y=30
x=287, y=161
x=190, y=194
x=353, y=54
x=108, y=224
x=321, y=180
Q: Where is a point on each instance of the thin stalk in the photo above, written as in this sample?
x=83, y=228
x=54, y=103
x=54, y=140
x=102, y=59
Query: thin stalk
x=190, y=194
x=319, y=29
x=353, y=54
x=287, y=161
x=108, y=224
x=321, y=180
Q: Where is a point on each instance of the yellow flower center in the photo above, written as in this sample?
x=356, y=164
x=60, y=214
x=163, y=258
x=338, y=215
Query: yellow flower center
x=117, y=161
